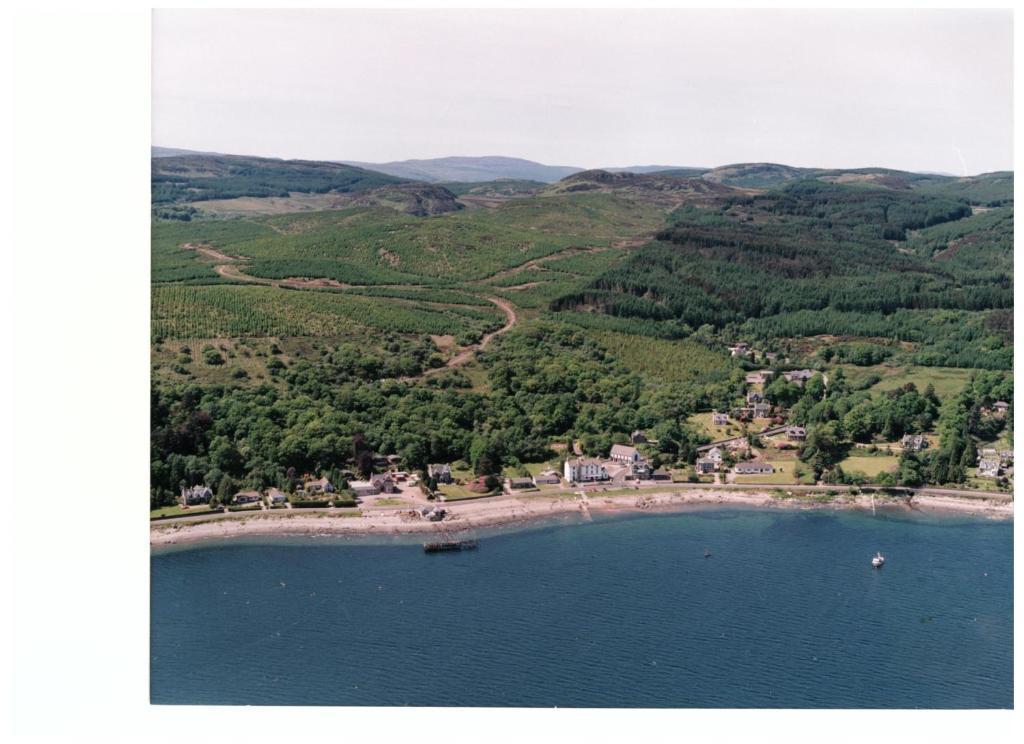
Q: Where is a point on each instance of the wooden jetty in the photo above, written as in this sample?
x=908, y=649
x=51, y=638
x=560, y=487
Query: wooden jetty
x=452, y=541
x=448, y=546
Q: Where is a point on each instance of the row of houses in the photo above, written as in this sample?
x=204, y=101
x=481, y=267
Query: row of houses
x=198, y=495
x=202, y=494
x=764, y=376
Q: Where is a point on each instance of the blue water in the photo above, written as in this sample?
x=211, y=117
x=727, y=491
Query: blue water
x=621, y=612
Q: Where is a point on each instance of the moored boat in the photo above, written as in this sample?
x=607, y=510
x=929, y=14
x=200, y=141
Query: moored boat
x=878, y=561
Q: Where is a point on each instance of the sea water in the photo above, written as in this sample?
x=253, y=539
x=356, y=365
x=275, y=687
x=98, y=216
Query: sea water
x=622, y=612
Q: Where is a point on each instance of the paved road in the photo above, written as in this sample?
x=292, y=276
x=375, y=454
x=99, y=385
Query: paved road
x=656, y=488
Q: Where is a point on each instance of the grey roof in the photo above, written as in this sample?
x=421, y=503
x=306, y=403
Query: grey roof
x=753, y=466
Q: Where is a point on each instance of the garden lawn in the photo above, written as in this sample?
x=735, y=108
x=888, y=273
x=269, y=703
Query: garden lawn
x=870, y=466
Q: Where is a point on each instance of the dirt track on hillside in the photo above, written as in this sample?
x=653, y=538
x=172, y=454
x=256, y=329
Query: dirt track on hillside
x=466, y=355
x=537, y=263
x=231, y=270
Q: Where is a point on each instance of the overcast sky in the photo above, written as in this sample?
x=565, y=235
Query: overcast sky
x=916, y=90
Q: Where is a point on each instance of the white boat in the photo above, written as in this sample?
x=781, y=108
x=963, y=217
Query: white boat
x=878, y=561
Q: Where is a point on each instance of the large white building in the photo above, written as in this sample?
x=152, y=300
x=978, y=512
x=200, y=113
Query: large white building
x=583, y=470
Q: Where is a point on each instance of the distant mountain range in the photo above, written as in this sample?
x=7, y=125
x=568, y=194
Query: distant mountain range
x=470, y=169
x=187, y=174
x=173, y=152
x=466, y=169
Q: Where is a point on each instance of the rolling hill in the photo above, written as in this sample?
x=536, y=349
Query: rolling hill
x=184, y=178
x=658, y=188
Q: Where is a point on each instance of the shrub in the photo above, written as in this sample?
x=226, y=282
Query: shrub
x=213, y=357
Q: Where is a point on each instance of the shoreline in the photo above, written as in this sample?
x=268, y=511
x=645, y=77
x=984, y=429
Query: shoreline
x=505, y=511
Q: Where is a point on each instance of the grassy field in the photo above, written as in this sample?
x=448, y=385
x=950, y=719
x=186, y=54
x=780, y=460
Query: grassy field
x=231, y=311
x=702, y=422
x=664, y=360
x=177, y=511
x=948, y=381
x=453, y=492
x=870, y=466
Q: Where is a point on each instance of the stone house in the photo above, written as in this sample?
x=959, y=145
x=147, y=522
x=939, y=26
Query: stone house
x=441, y=472
x=196, y=495
x=625, y=454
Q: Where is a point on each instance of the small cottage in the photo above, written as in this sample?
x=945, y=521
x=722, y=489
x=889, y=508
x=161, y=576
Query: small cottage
x=988, y=468
x=363, y=488
x=913, y=442
x=547, y=478
x=246, y=497
x=705, y=465
x=320, y=485
x=753, y=467
x=799, y=376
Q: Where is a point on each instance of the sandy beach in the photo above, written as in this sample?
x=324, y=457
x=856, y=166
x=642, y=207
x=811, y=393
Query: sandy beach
x=510, y=510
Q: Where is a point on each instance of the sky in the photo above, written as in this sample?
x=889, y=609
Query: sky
x=915, y=90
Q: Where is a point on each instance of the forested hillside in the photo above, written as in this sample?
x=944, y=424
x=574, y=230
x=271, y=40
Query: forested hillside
x=848, y=253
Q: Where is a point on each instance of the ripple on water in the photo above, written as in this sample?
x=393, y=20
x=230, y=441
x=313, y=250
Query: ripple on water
x=619, y=612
